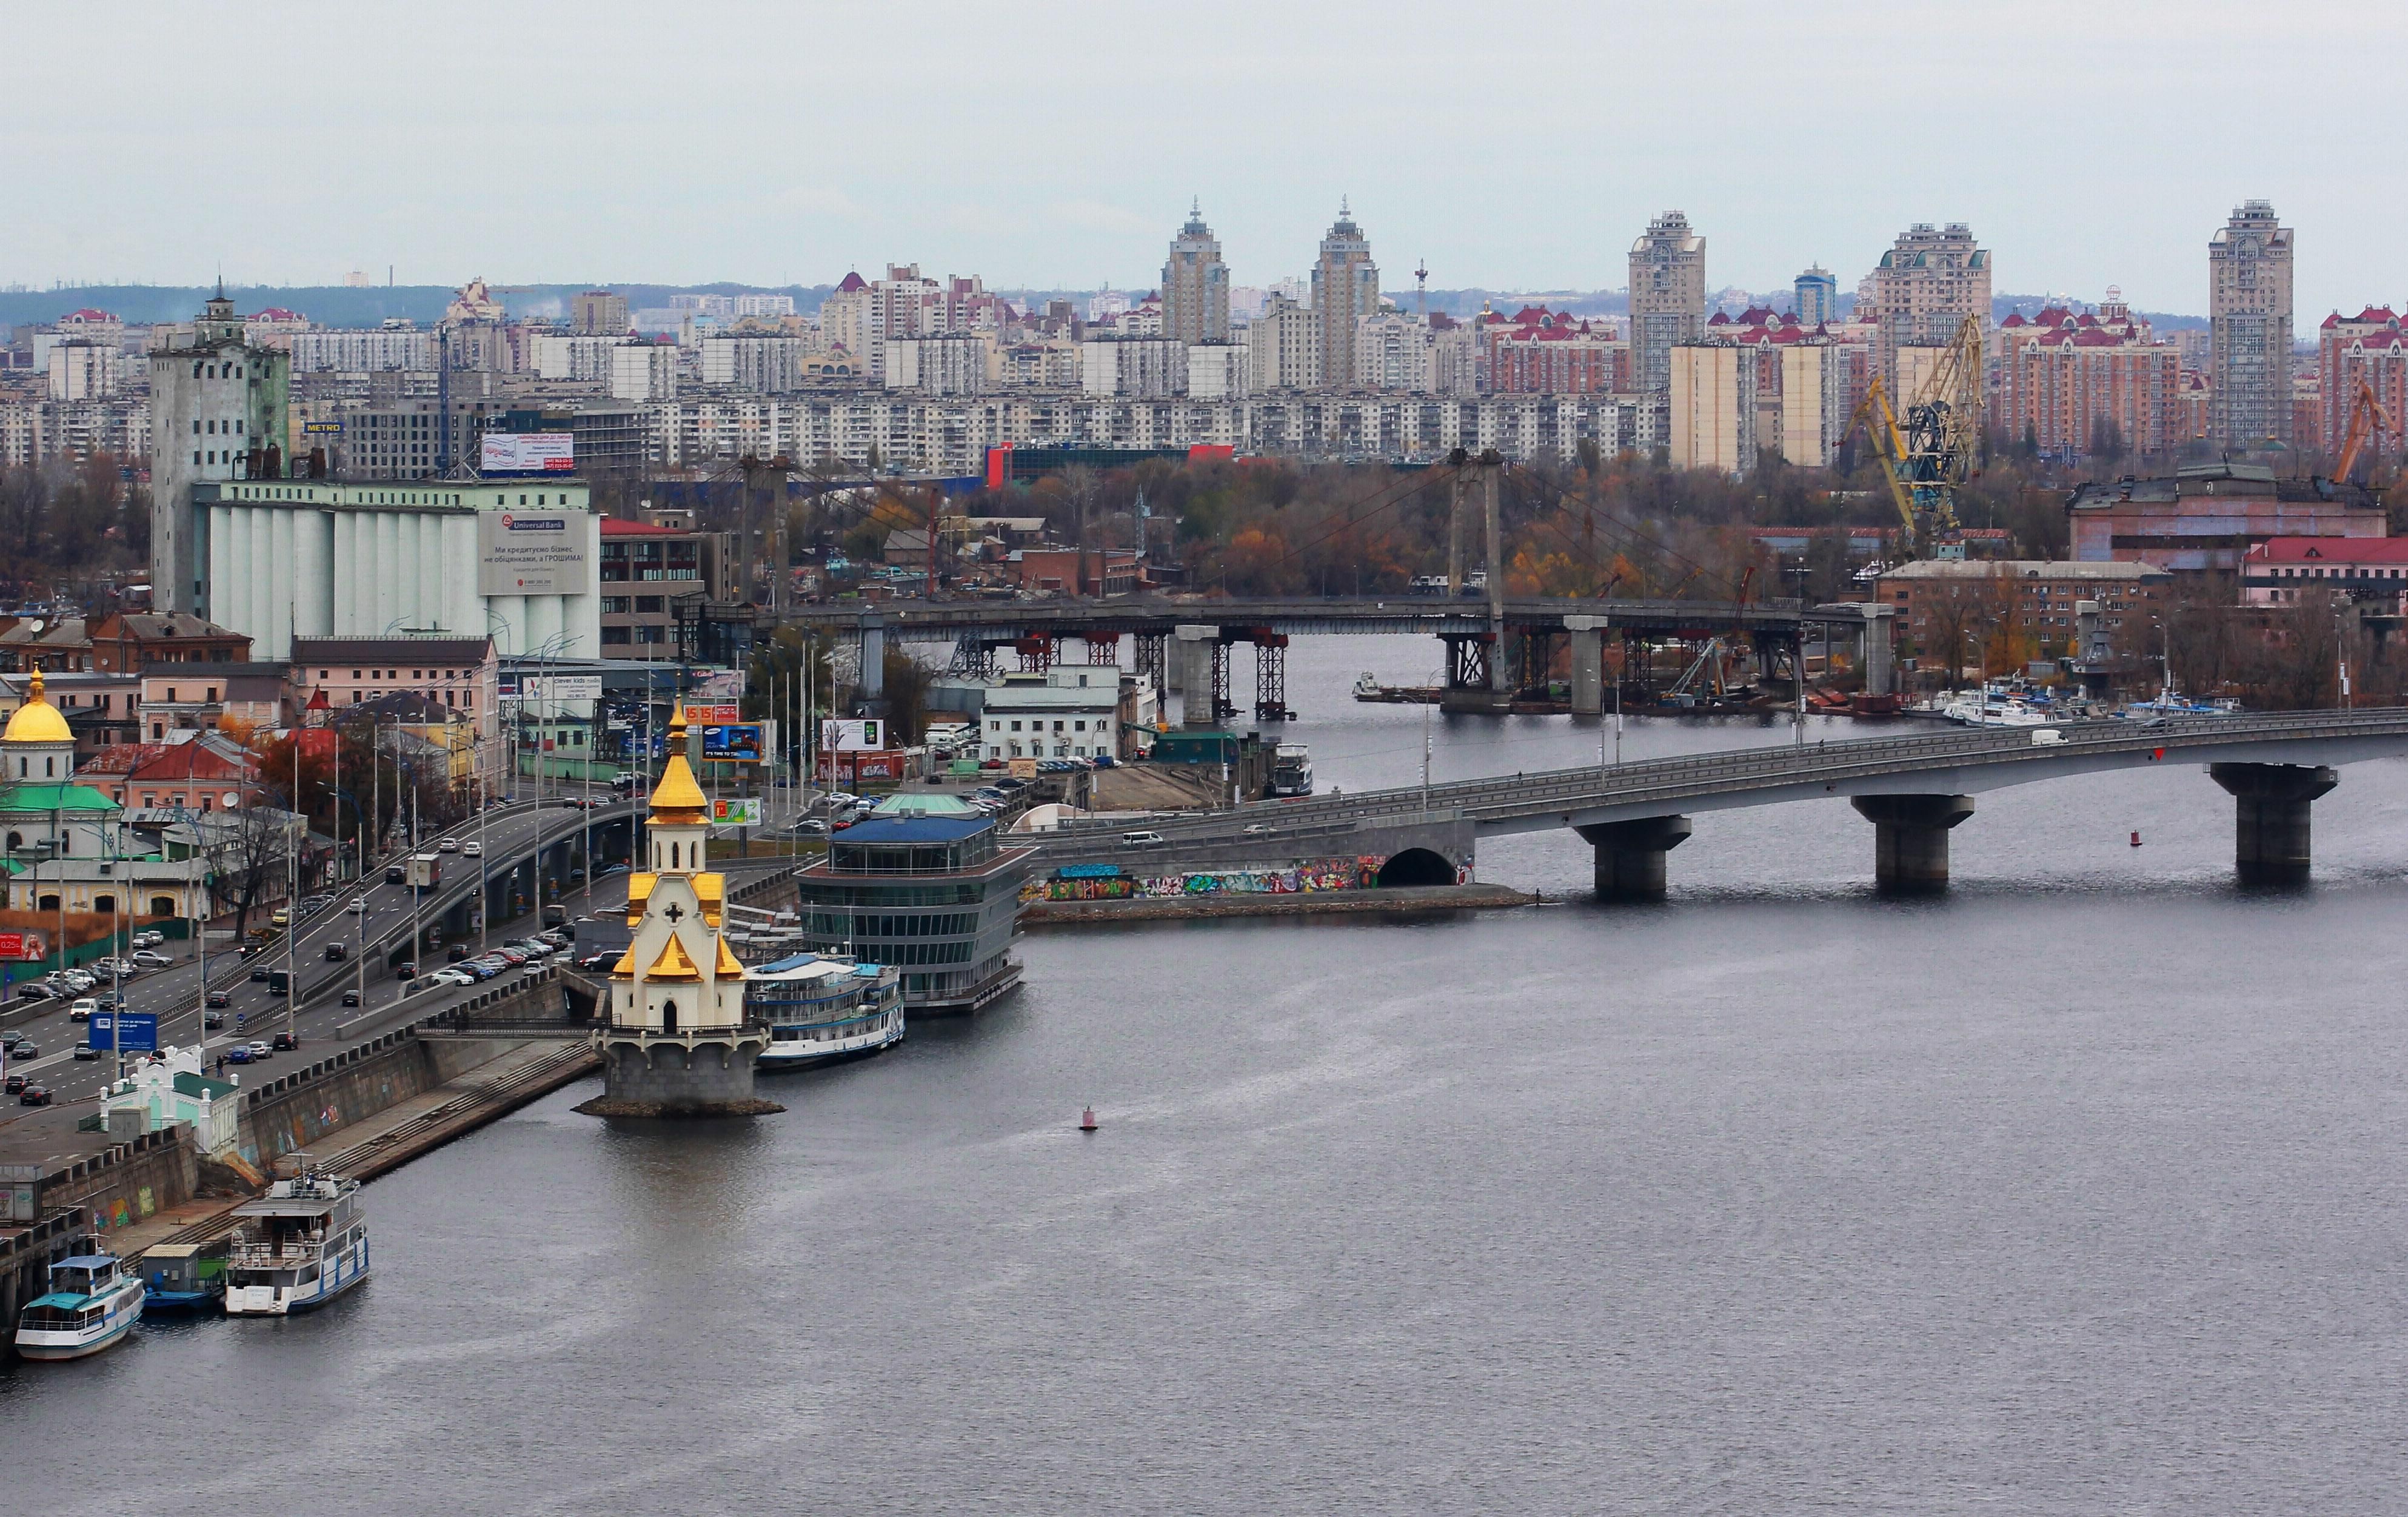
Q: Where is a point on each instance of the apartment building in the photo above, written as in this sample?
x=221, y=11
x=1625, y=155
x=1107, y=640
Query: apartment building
x=2074, y=383
x=649, y=567
x=1922, y=291
x=2367, y=348
x=1195, y=285
x=2249, y=324
x=1345, y=290
x=1668, y=298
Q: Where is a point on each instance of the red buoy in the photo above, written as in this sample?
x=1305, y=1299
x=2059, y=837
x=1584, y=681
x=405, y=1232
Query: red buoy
x=1087, y=1120
x=2136, y=839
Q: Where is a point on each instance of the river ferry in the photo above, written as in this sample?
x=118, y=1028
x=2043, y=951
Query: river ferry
x=92, y=1304
x=824, y=1008
x=300, y=1246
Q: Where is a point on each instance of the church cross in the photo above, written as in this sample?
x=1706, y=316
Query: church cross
x=674, y=913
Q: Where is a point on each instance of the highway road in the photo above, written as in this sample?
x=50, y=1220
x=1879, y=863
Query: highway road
x=30, y=1133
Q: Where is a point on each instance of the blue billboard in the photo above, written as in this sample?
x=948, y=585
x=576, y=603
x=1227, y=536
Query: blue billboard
x=130, y=1032
x=735, y=743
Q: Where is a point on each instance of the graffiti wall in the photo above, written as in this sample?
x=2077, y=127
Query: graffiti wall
x=1357, y=872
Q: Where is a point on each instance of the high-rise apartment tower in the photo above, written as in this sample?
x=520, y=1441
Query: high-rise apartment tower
x=1668, y=297
x=1818, y=296
x=1345, y=289
x=1923, y=289
x=1195, y=285
x=2249, y=320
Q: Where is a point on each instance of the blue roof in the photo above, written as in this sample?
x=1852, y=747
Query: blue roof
x=918, y=829
x=85, y=1261
x=791, y=961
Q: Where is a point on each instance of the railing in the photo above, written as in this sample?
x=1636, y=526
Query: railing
x=1671, y=778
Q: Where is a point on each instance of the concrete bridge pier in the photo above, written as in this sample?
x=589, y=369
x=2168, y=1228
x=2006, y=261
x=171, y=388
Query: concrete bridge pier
x=1911, y=839
x=1199, y=646
x=1588, y=663
x=873, y=658
x=2270, y=805
x=1879, y=659
x=1630, y=855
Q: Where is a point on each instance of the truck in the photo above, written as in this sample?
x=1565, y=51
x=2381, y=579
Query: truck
x=280, y=982
x=426, y=871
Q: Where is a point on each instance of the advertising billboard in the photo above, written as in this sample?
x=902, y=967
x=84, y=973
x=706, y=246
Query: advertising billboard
x=850, y=736
x=721, y=685
x=702, y=713
x=736, y=742
x=740, y=811
x=21, y=945
x=129, y=1032
x=560, y=687
x=523, y=553
x=528, y=453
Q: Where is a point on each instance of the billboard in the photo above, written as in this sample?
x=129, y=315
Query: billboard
x=849, y=735
x=23, y=945
x=528, y=453
x=736, y=742
x=128, y=1032
x=721, y=685
x=534, y=553
x=560, y=687
x=703, y=713
x=741, y=812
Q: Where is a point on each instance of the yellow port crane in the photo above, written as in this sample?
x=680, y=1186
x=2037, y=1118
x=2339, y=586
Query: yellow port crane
x=1931, y=451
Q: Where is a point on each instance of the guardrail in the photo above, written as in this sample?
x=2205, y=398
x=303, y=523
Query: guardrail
x=1669, y=778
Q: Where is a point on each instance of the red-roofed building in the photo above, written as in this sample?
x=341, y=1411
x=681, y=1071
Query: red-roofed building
x=2372, y=571
x=2368, y=346
x=1538, y=352
x=2071, y=381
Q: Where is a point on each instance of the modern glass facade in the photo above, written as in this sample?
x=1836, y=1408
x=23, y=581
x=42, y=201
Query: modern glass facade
x=937, y=896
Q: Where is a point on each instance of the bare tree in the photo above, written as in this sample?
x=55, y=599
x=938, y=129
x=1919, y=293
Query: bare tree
x=245, y=849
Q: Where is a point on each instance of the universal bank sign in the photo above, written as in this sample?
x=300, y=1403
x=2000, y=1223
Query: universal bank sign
x=522, y=552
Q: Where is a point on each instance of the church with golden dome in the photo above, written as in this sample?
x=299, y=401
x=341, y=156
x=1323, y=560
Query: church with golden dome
x=677, y=1042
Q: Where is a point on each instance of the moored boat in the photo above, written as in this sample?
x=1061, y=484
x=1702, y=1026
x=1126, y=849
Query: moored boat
x=300, y=1246
x=824, y=1008
x=183, y=1279
x=91, y=1303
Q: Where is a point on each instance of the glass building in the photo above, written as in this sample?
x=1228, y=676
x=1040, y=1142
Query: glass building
x=936, y=896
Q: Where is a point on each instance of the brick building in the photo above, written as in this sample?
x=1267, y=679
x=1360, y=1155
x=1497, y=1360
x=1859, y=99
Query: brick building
x=2369, y=347
x=2067, y=377
x=2207, y=518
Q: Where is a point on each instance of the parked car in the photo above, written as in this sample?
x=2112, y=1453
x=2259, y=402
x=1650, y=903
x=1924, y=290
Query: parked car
x=81, y=980
x=258, y=1051
x=150, y=938
x=35, y=991
x=239, y=1053
x=152, y=959
x=511, y=954
x=35, y=1096
x=449, y=976
x=351, y=997
x=83, y=1010
x=284, y=1040
x=600, y=961
x=218, y=1000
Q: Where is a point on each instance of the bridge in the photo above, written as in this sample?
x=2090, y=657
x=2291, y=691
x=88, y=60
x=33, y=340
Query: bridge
x=1912, y=789
x=1494, y=646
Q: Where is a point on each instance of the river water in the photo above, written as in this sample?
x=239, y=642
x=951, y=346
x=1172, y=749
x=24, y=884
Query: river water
x=2083, y=1189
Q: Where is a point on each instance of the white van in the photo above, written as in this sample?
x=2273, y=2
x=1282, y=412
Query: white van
x=2046, y=737
x=1140, y=839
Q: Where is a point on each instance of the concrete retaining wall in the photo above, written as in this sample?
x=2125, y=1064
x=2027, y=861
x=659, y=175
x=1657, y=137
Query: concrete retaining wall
x=129, y=1182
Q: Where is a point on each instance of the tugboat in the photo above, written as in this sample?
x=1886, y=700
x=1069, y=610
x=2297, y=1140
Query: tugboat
x=824, y=1008
x=312, y=1245
x=92, y=1304
x=183, y=1279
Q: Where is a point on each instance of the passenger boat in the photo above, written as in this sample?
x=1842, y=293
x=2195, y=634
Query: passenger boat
x=310, y=1245
x=182, y=1278
x=91, y=1303
x=824, y=1008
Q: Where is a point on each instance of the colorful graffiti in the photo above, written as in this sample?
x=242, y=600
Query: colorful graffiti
x=1357, y=873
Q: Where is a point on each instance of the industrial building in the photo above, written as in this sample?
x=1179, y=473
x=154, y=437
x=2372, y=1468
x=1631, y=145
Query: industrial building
x=2208, y=518
x=512, y=559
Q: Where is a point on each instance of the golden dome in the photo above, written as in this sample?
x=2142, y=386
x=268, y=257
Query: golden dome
x=676, y=794
x=673, y=963
x=37, y=721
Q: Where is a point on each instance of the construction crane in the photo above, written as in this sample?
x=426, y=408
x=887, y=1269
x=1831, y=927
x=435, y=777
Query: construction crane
x=2367, y=421
x=1925, y=455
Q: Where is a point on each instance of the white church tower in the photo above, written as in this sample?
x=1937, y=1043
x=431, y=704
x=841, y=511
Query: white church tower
x=678, y=1043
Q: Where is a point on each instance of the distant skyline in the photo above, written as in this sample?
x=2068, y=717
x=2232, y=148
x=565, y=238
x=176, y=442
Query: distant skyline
x=1058, y=144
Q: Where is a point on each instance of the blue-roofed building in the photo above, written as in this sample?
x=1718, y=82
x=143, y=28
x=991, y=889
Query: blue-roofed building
x=936, y=896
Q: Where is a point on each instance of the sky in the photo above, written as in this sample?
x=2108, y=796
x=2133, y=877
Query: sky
x=1057, y=145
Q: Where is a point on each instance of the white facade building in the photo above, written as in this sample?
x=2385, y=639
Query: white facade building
x=773, y=366
x=395, y=347
x=1138, y=367
x=1220, y=371
x=330, y=558
x=643, y=371
x=85, y=371
x=957, y=364
x=1071, y=710
x=1286, y=342
x=212, y=401
x=586, y=360
x=1392, y=351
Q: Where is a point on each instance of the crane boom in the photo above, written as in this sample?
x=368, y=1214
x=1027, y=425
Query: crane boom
x=2367, y=418
x=1931, y=451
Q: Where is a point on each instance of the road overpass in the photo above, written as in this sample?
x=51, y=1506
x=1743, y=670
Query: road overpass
x=1914, y=790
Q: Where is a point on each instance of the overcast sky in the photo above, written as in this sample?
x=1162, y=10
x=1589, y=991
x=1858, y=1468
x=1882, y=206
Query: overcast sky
x=1054, y=144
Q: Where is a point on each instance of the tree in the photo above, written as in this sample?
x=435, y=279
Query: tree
x=244, y=849
x=1963, y=608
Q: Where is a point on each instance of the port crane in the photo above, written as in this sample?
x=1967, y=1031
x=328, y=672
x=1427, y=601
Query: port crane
x=2368, y=419
x=1930, y=450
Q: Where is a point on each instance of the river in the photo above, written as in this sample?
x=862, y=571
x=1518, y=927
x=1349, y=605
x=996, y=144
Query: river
x=2083, y=1190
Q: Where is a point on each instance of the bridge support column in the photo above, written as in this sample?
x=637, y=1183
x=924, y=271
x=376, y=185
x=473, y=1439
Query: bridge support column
x=1588, y=663
x=1911, y=839
x=1630, y=855
x=2270, y=805
x=1879, y=661
x=873, y=658
x=1200, y=647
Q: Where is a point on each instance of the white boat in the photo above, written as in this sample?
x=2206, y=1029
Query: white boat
x=1367, y=686
x=824, y=1008
x=91, y=1303
x=300, y=1246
